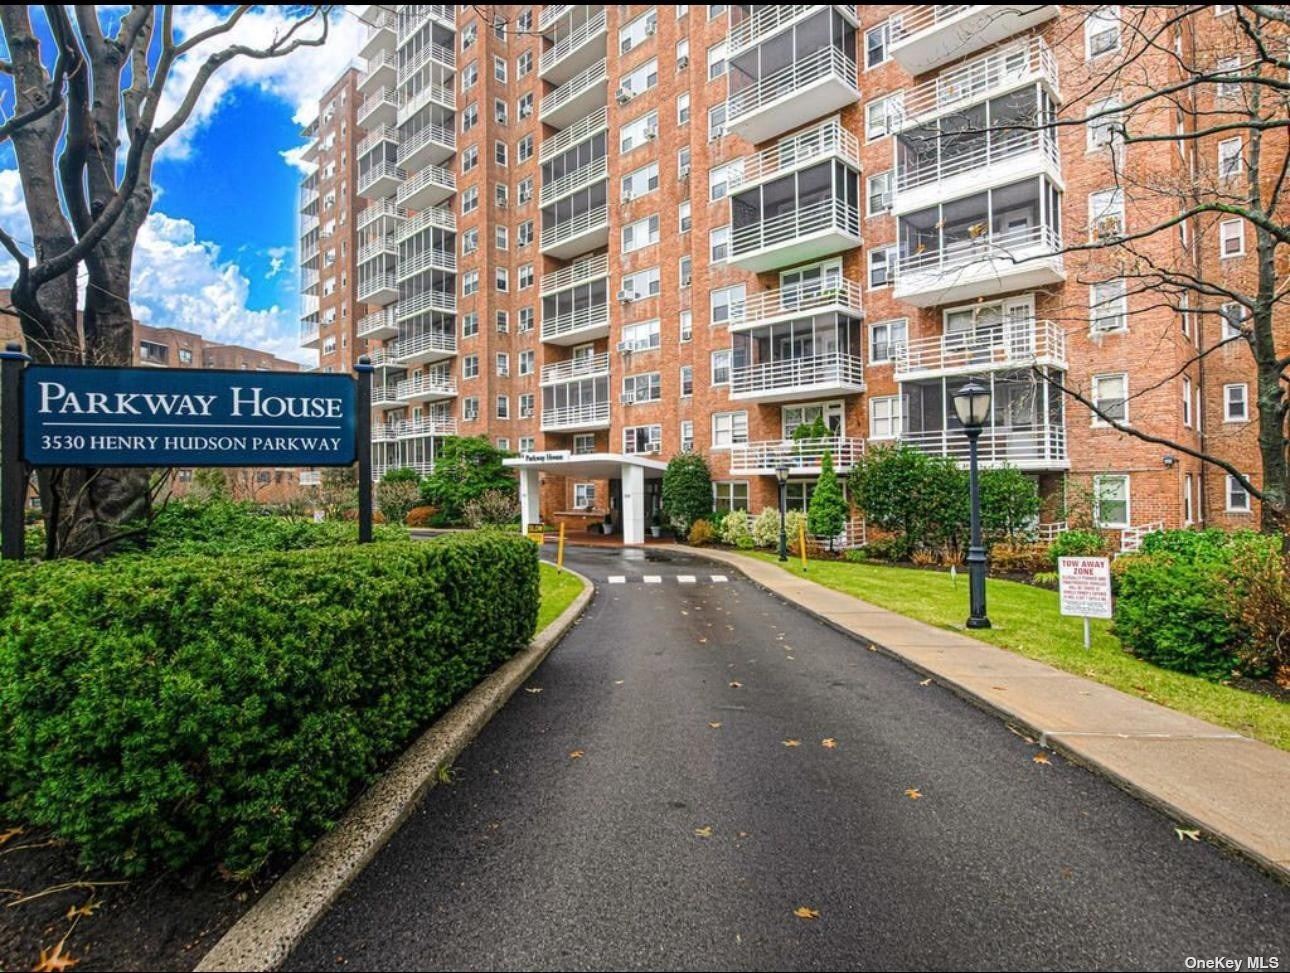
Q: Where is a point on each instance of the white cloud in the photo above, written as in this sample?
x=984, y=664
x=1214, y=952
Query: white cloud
x=13, y=218
x=277, y=261
x=298, y=79
x=294, y=157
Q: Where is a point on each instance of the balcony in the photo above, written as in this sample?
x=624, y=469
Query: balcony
x=381, y=358
x=803, y=457
x=431, y=52
x=426, y=347
x=376, y=138
x=379, y=181
x=380, y=247
x=427, y=302
x=378, y=289
x=798, y=235
x=991, y=159
x=1027, y=447
x=571, y=182
x=781, y=381
x=309, y=336
x=824, y=80
x=436, y=217
x=578, y=272
x=926, y=36
x=580, y=95
x=961, y=353
x=440, y=93
x=379, y=324
x=382, y=72
x=576, y=418
x=575, y=51
x=309, y=281
x=575, y=327
x=380, y=107
x=432, y=259
x=426, y=388
x=829, y=140
x=584, y=367
x=587, y=231
x=768, y=19
x=992, y=263
x=580, y=131
x=785, y=303
x=429, y=426
x=432, y=145
x=380, y=35
x=429, y=187
x=384, y=396
x=383, y=215
x=552, y=13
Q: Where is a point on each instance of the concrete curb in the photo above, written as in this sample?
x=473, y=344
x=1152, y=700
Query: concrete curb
x=272, y=928
x=1077, y=747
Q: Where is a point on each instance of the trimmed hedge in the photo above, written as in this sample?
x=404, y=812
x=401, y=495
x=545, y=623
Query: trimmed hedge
x=162, y=711
x=227, y=527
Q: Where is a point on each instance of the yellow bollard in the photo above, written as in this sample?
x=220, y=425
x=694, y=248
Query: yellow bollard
x=559, y=551
x=801, y=543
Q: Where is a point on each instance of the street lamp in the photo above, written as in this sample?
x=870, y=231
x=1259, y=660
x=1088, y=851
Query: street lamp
x=972, y=404
x=781, y=475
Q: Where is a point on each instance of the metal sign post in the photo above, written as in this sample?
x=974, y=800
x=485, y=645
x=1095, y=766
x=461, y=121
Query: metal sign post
x=13, y=472
x=363, y=446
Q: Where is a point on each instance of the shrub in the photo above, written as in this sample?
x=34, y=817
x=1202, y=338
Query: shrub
x=882, y=549
x=394, y=498
x=420, y=516
x=465, y=469
x=1260, y=578
x=1076, y=543
x=687, y=490
x=159, y=711
x=492, y=508
x=765, y=529
x=826, y=514
x=735, y=525
x=701, y=533
x=745, y=542
x=856, y=555
x=401, y=474
x=1009, y=502
x=1020, y=558
x=226, y=527
x=1046, y=579
x=921, y=499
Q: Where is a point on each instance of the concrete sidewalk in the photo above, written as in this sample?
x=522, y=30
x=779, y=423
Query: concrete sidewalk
x=1236, y=790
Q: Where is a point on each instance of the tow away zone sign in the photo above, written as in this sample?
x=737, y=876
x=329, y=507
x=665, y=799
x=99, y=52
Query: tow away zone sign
x=1085, y=588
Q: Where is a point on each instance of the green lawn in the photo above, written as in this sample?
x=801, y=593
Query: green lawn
x=1026, y=621
x=559, y=588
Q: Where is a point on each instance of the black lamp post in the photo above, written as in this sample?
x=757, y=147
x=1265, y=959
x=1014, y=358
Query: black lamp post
x=781, y=475
x=972, y=404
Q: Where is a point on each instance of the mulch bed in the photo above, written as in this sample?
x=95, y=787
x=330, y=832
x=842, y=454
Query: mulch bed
x=152, y=923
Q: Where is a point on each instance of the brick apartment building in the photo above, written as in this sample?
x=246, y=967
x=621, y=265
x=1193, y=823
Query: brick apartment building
x=601, y=235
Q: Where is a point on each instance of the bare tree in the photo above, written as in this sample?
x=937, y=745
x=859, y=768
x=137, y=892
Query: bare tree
x=1172, y=88
x=86, y=205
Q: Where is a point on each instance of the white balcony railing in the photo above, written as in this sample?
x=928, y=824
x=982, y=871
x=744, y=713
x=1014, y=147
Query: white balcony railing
x=435, y=217
x=833, y=370
x=1040, y=446
x=377, y=323
x=1007, y=346
x=799, y=455
x=578, y=272
x=385, y=170
x=579, y=131
x=576, y=416
x=827, y=140
x=436, y=134
x=580, y=82
x=377, y=284
x=823, y=63
x=435, y=52
x=763, y=20
x=426, y=386
x=421, y=344
x=818, y=217
x=997, y=147
x=592, y=219
x=582, y=176
x=376, y=137
x=787, y=301
x=380, y=98
x=425, y=178
x=427, y=260
x=441, y=93
x=570, y=42
x=384, y=247
x=426, y=302
x=429, y=426
x=552, y=12
x=581, y=319
x=977, y=79
x=918, y=17
x=576, y=368
x=380, y=209
x=1008, y=246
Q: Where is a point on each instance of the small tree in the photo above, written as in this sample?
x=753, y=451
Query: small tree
x=465, y=469
x=826, y=515
x=687, y=490
x=1009, y=502
x=492, y=508
x=338, y=490
x=921, y=498
x=395, y=497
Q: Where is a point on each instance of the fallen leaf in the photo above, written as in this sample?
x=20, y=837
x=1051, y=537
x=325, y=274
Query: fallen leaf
x=926, y=682
x=736, y=685
x=702, y=641
x=828, y=743
x=715, y=726
x=792, y=743
x=619, y=682
x=533, y=689
x=577, y=754
x=913, y=793
x=1002, y=689
x=10, y=834
x=1193, y=833
x=53, y=960
x=806, y=912
x=704, y=832
x=1042, y=758
x=83, y=910
x=873, y=648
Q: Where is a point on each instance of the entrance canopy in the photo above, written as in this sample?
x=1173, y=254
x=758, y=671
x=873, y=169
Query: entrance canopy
x=631, y=470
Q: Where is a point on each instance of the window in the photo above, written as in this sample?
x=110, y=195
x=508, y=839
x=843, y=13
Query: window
x=527, y=409
x=469, y=158
x=524, y=236
x=642, y=439
x=882, y=260
x=526, y=319
x=1186, y=401
x=647, y=387
x=638, y=132
x=524, y=149
x=499, y=69
x=683, y=216
x=470, y=325
x=470, y=408
x=718, y=244
x=500, y=111
x=470, y=283
x=500, y=195
x=685, y=270
x=878, y=116
x=644, y=336
x=503, y=407
x=641, y=234
x=469, y=35
x=683, y=54
x=503, y=364
x=687, y=436
x=716, y=61
x=1231, y=234
x=502, y=321
x=716, y=121
x=687, y=325
x=640, y=182
x=885, y=337
x=470, y=76
x=470, y=199
x=470, y=366
x=1227, y=90
x=528, y=444
x=1236, y=404
x=719, y=178
x=878, y=193
x=584, y=496
x=875, y=46
x=584, y=443
x=884, y=417
x=730, y=495
x=723, y=299
x=1102, y=32
x=499, y=152
x=1233, y=314
x=729, y=429
x=526, y=276
x=1111, y=501
x=470, y=241
x=642, y=284
x=469, y=117
x=1109, y=306
x=635, y=33
x=524, y=105
x=1231, y=162
x=1238, y=498
x=1111, y=397
x=721, y=367
x=1189, y=510
x=1106, y=214
x=1105, y=125
x=501, y=237
x=687, y=380
x=528, y=358
x=524, y=64
x=502, y=280
x=683, y=109
x=641, y=79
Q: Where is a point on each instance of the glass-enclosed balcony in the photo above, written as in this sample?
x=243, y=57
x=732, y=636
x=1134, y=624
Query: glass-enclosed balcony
x=577, y=313
x=380, y=107
x=576, y=405
x=805, y=215
x=381, y=27
x=577, y=367
x=427, y=387
x=429, y=187
x=984, y=342
x=829, y=140
x=994, y=142
x=378, y=324
x=434, y=425
x=382, y=72
x=427, y=143
x=579, y=42
x=990, y=243
x=1027, y=427
x=378, y=288
x=580, y=95
x=425, y=346
x=805, y=70
x=309, y=335
x=927, y=35
x=807, y=356
x=576, y=223
x=575, y=168
x=803, y=457
x=828, y=293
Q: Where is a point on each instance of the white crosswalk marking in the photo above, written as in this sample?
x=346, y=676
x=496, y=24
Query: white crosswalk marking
x=617, y=579
x=685, y=578
x=653, y=579
x=719, y=578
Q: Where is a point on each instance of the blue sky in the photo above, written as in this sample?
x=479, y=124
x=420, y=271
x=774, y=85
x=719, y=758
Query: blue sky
x=218, y=253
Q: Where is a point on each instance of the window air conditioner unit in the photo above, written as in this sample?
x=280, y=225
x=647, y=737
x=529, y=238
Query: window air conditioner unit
x=651, y=133
x=685, y=281
x=651, y=28
x=683, y=62
x=625, y=347
x=626, y=297
x=628, y=196
x=627, y=398
x=683, y=173
x=624, y=95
